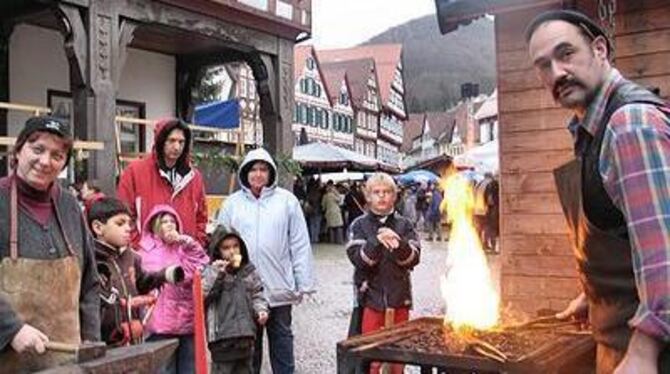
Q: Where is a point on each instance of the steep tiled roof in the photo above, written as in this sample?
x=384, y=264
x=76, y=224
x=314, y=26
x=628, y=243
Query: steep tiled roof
x=440, y=122
x=333, y=75
x=460, y=114
x=358, y=72
x=412, y=129
x=386, y=56
x=300, y=53
x=489, y=108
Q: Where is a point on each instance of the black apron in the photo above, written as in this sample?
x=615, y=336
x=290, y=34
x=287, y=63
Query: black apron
x=600, y=240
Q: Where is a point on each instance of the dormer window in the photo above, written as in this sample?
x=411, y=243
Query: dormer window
x=344, y=98
x=310, y=63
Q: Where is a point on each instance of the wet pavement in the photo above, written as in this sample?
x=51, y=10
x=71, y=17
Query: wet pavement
x=323, y=319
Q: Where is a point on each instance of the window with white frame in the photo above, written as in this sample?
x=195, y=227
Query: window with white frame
x=484, y=132
x=309, y=62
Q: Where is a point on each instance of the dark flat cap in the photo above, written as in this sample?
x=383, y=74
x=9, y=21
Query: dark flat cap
x=578, y=19
x=53, y=125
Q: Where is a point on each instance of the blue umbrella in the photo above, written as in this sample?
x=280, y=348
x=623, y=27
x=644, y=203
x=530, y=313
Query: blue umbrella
x=417, y=176
x=471, y=175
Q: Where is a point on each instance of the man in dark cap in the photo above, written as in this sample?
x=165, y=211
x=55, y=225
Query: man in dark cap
x=615, y=194
x=48, y=277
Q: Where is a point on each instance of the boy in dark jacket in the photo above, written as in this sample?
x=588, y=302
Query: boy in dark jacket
x=121, y=276
x=235, y=303
x=383, y=247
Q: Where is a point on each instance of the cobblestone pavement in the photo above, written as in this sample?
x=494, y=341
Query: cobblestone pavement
x=323, y=320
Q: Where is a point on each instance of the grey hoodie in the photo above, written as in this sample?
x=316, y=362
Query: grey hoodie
x=234, y=298
x=274, y=228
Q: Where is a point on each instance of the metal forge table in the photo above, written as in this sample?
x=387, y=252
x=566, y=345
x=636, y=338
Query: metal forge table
x=562, y=354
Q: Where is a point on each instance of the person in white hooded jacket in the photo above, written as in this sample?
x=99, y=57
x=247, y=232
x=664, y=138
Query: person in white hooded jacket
x=270, y=220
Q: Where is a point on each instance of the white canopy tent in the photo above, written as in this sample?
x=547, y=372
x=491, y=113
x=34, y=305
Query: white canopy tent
x=323, y=157
x=483, y=158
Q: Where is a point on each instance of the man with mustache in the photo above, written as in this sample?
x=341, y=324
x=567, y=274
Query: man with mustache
x=615, y=194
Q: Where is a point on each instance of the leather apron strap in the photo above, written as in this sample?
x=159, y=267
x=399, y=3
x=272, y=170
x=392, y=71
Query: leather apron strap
x=14, y=221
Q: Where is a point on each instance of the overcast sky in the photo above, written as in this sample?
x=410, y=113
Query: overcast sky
x=345, y=23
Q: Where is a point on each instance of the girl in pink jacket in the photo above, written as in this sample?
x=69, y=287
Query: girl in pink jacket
x=162, y=244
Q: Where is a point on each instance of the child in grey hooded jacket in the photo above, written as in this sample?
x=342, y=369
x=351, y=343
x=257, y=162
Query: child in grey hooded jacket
x=235, y=303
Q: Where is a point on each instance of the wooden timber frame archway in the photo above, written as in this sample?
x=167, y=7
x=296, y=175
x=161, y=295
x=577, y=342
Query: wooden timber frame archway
x=98, y=33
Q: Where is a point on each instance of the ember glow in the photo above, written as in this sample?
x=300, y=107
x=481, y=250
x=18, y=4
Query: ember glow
x=471, y=299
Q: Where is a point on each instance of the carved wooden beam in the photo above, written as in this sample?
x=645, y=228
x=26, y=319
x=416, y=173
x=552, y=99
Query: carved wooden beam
x=263, y=69
x=81, y=3
x=126, y=34
x=5, y=33
x=188, y=76
x=162, y=14
x=76, y=41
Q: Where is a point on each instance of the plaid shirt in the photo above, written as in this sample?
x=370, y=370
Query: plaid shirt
x=635, y=166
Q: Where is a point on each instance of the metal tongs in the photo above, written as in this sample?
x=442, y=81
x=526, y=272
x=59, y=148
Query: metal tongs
x=548, y=322
x=487, y=350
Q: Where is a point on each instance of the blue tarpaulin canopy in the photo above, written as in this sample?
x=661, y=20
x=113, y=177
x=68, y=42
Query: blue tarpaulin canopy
x=218, y=114
x=417, y=176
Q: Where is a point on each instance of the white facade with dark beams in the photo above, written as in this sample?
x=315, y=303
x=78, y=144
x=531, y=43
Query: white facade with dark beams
x=312, y=114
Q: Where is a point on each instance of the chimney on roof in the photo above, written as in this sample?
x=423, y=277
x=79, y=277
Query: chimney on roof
x=469, y=90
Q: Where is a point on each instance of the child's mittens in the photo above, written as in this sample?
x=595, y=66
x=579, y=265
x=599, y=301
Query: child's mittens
x=174, y=274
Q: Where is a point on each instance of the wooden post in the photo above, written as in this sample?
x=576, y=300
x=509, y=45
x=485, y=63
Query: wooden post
x=94, y=46
x=199, y=325
x=5, y=33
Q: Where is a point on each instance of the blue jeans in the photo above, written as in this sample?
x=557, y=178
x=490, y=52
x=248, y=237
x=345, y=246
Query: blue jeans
x=315, y=227
x=280, y=339
x=183, y=360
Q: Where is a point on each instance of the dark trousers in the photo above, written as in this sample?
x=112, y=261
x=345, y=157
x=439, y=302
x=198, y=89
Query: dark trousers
x=434, y=229
x=356, y=321
x=183, y=360
x=335, y=235
x=280, y=340
x=241, y=366
x=314, y=227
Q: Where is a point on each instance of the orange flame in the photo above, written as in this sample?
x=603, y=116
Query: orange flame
x=467, y=288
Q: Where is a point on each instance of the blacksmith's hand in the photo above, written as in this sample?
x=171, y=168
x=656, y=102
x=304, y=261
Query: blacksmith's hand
x=29, y=339
x=577, y=309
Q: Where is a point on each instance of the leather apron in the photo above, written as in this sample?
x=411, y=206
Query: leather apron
x=43, y=293
x=605, y=271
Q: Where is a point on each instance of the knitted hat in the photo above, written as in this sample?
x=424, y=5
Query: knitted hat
x=586, y=24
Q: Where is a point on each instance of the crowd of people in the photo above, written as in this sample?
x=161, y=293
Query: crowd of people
x=330, y=208
x=125, y=270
